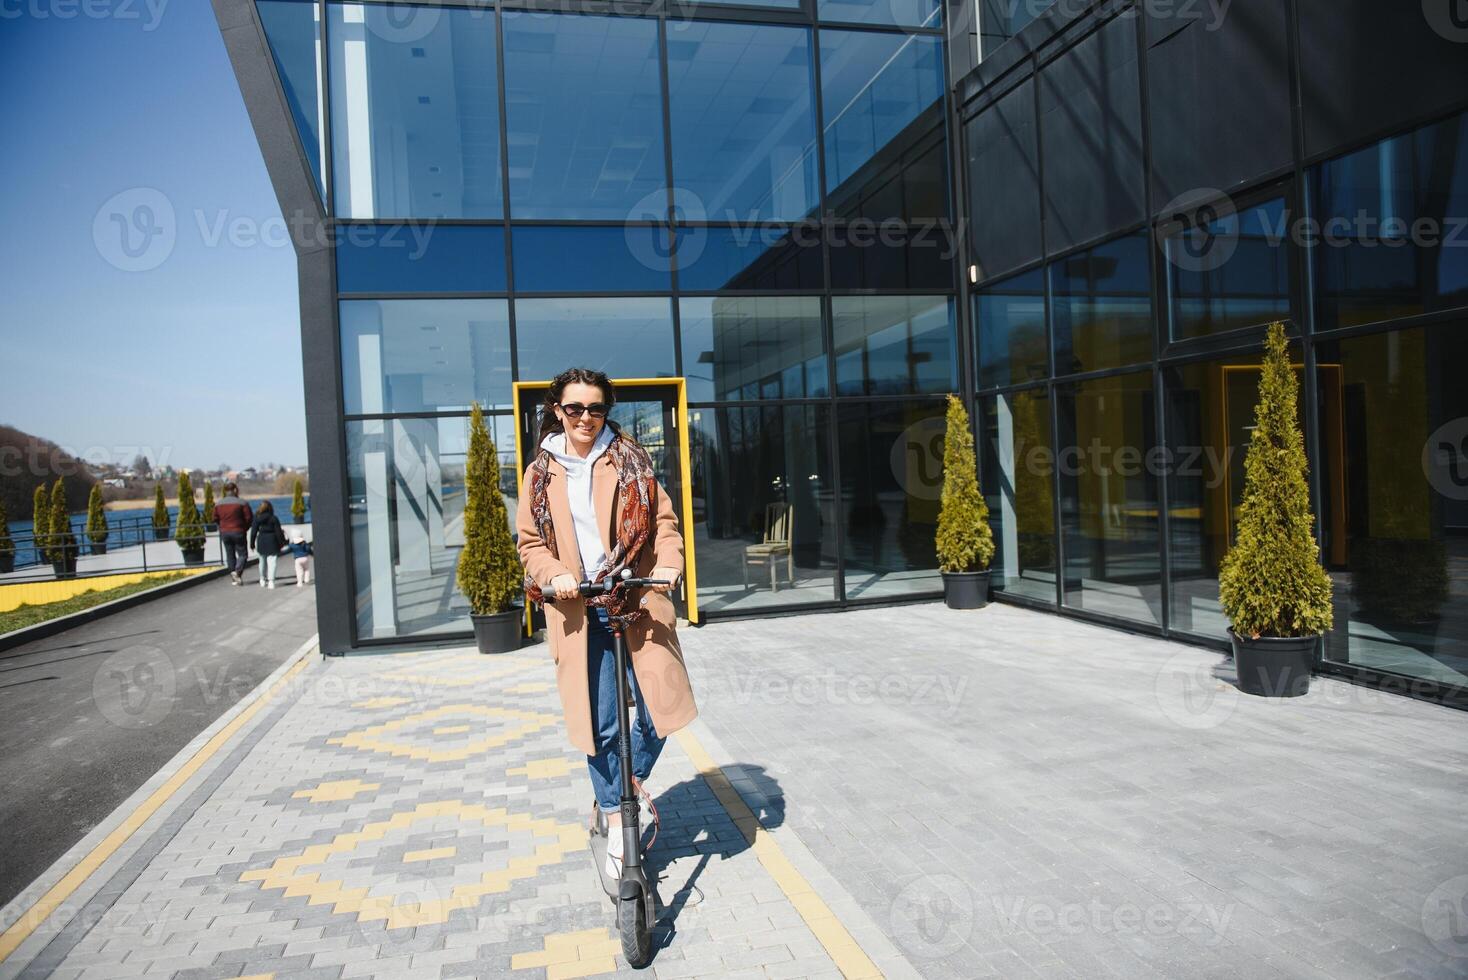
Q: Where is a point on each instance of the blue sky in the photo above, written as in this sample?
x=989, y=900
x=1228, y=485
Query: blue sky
x=197, y=361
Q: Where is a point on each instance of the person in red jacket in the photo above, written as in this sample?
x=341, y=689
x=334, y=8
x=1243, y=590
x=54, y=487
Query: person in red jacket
x=234, y=518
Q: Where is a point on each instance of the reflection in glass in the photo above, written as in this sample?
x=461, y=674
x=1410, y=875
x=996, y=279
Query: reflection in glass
x=584, y=116
x=1101, y=305
x=891, y=255
x=752, y=347
x=1396, y=509
x=891, y=482
x=764, y=257
x=872, y=88
x=1000, y=20
x=627, y=337
x=1391, y=218
x=743, y=122
x=405, y=484
x=1230, y=273
x=293, y=30
x=763, y=506
x=414, y=112
x=1017, y=477
x=893, y=345
x=1010, y=320
x=423, y=355
x=899, y=13
x=1109, y=497
x=591, y=259
x=420, y=258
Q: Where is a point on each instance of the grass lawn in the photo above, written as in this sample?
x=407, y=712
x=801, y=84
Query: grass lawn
x=28, y=615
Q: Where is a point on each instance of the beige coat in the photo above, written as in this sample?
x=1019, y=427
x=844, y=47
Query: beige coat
x=652, y=641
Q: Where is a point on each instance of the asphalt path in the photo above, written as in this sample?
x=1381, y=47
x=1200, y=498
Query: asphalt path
x=88, y=715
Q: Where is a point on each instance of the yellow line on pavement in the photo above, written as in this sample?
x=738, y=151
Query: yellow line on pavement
x=32, y=917
x=844, y=951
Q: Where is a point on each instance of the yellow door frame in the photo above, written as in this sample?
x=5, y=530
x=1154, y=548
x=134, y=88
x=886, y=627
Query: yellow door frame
x=685, y=470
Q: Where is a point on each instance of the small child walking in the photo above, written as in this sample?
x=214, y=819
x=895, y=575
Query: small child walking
x=301, y=549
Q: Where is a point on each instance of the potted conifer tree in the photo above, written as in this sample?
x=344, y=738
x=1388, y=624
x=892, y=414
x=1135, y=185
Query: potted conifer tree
x=209, y=504
x=190, y=532
x=489, y=575
x=62, y=544
x=1271, y=584
x=96, y=521
x=7, y=543
x=965, y=542
x=160, y=514
x=41, y=523
x=298, y=502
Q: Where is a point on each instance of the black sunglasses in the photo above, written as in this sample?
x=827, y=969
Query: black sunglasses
x=576, y=409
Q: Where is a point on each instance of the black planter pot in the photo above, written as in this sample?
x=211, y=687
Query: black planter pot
x=499, y=632
x=65, y=568
x=1274, y=666
x=966, y=590
x=7, y=562
x=160, y=534
x=99, y=547
x=193, y=556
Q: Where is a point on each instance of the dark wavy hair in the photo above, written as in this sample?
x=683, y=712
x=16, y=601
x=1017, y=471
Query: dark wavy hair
x=549, y=422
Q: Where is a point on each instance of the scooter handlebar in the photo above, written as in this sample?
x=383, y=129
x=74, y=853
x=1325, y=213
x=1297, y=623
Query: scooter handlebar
x=590, y=590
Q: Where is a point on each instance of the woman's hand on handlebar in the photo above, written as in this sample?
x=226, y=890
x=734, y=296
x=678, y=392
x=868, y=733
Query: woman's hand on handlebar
x=669, y=575
x=564, y=586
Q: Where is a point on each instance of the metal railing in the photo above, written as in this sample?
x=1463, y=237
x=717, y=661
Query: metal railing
x=131, y=547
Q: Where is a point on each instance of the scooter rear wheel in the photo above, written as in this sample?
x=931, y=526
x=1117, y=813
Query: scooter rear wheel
x=636, y=939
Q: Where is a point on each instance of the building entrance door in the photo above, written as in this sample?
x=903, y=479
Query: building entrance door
x=653, y=411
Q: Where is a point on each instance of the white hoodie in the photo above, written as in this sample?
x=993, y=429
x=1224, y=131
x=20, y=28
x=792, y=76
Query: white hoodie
x=578, y=491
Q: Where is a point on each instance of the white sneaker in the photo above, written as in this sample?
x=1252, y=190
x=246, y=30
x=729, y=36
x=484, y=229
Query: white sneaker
x=614, y=853
x=272, y=585
x=262, y=583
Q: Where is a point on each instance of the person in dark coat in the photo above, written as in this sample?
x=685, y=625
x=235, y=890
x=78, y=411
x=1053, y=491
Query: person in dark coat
x=267, y=537
x=233, y=518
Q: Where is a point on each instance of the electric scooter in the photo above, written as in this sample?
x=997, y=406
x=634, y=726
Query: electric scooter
x=634, y=896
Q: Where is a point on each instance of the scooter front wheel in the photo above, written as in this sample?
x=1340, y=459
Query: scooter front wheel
x=632, y=924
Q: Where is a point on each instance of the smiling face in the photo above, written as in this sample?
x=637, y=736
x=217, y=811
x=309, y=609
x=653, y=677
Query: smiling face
x=582, y=432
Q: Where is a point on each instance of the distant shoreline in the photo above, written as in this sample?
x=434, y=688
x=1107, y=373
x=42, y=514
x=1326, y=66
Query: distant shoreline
x=143, y=503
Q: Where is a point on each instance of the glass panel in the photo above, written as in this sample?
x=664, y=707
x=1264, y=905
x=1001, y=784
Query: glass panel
x=891, y=255
x=1000, y=20
x=1102, y=307
x=764, y=520
x=405, y=481
x=1230, y=273
x=1108, y=497
x=1017, y=477
x=414, y=112
x=743, y=117
x=902, y=13
x=759, y=256
x=872, y=88
x=627, y=337
x=293, y=29
x=424, y=355
x=625, y=259
x=1392, y=227
x=1010, y=319
x=420, y=259
x=584, y=116
x=1394, y=500
x=893, y=345
x=752, y=347
x=891, y=482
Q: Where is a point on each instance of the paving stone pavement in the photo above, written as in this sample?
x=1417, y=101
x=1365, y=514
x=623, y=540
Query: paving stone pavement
x=422, y=816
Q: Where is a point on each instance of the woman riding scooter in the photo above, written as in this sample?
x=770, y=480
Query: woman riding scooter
x=591, y=509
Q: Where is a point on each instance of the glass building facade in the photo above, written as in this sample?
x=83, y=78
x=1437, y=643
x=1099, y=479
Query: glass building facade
x=826, y=215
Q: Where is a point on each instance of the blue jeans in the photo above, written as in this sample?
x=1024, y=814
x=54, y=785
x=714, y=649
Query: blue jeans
x=601, y=676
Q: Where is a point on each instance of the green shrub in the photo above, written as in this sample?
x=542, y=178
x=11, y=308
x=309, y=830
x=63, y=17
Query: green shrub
x=41, y=523
x=1271, y=582
x=96, y=517
x=160, y=508
x=209, y=503
x=298, y=502
x=489, y=573
x=965, y=542
x=62, y=543
x=190, y=533
x=7, y=543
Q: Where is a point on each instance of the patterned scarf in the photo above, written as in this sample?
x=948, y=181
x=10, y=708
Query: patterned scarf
x=636, y=491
